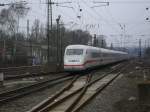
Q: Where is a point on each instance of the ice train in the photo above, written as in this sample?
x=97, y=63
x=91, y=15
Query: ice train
x=82, y=57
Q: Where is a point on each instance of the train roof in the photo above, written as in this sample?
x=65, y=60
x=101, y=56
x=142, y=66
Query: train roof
x=78, y=46
x=96, y=48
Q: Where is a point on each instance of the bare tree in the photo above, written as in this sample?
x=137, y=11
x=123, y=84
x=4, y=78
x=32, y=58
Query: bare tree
x=9, y=18
x=35, y=30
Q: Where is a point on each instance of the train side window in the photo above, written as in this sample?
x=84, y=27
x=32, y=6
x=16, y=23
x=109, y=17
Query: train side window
x=105, y=55
x=95, y=55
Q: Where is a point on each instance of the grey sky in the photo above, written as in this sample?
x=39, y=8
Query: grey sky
x=104, y=20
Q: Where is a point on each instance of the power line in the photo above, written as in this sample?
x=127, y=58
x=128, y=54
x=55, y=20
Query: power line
x=66, y=14
x=91, y=14
x=106, y=21
x=125, y=2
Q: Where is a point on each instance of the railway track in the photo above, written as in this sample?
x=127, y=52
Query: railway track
x=76, y=94
x=21, y=70
x=26, y=75
x=11, y=73
x=19, y=92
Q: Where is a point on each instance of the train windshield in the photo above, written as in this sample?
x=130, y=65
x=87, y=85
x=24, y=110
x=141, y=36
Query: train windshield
x=74, y=52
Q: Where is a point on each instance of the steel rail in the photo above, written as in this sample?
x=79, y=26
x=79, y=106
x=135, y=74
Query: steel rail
x=50, y=99
x=51, y=103
x=57, y=102
x=19, y=92
x=71, y=108
x=99, y=90
x=24, y=71
x=8, y=68
x=12, y=77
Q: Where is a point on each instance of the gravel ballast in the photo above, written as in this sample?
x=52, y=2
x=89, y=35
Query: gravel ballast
x=121, y=96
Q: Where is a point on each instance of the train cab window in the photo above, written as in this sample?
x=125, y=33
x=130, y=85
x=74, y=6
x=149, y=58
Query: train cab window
x=74, y=52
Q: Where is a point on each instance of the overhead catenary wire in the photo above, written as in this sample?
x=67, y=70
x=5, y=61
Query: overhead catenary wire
x=96, y=16
x=101, y=17
x=65, y=13
x=107, y=22
x=92, y=16
x=125, y=2
x=77, y=20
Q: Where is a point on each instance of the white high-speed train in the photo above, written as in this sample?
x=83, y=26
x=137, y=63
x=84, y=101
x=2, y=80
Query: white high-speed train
x=82, y=57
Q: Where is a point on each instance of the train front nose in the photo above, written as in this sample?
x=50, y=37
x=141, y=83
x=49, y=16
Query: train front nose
x=73, y=64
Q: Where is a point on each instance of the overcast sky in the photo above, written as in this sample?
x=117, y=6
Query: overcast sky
x=106, y=20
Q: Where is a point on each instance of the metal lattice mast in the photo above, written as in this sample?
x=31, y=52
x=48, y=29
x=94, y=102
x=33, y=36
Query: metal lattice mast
x=49, y=27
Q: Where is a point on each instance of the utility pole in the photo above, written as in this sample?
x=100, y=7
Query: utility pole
x=140, y=52
x=28, y=29
x=29, y=38
x=124, y=36
x=95, y=41
x=30, y=42
x=102, y=43
x=49, y=28
x=58, y=41
x=145, y=44
x=3, y=51
x=49, y=18
x=61, y=46
x=148, y=43
x=111, y=46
